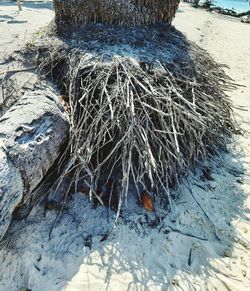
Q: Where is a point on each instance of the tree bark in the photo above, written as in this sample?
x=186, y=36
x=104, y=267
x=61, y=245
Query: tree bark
x=32, y=134
x=122, y=12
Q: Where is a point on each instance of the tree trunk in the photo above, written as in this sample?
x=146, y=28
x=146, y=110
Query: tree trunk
x=19, y=5
x=122, y=12
x=32, y=134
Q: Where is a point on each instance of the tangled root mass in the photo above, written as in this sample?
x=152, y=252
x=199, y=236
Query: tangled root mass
x=145, y=104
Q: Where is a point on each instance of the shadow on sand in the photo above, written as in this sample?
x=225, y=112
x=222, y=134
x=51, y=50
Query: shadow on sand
x=142, y=253
x=147, y=251
x=10, y=18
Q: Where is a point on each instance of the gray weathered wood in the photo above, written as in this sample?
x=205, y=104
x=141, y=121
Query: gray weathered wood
x=31, y=136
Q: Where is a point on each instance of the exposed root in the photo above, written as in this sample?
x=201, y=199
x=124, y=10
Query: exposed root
x=146, y=118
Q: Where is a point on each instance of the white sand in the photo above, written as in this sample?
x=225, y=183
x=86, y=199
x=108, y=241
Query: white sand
x=136, y=257
x=16, y=27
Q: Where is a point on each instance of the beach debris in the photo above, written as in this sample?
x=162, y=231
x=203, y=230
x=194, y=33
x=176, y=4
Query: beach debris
x=245, y=19
x=190, y=257
x=184, y=233
x=53, y=205
x=37, y=268
x=153, y=223
x=202, y=209
x=107, y=195
x=104, y=237
x=224, y=11
x=212, y=186
x=65, y=103
x=85, y=190
x=209, y=5
x=175, y=282
x=227, y=254
x=236, y=172
x=207, y=174
x=39, y=258
x=147, y=201
x=17, y=70
x=240, y=181
x=88, y=241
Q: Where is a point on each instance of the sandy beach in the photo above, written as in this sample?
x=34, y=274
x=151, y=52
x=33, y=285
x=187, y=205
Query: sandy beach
x=204, y=244
x=16, y=27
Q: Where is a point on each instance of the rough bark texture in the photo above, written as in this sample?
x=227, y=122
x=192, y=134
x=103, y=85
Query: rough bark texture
x=122, y=12
x=31, y=136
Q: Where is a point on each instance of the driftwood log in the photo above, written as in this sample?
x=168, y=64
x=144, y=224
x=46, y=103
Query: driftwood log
x=32, y=134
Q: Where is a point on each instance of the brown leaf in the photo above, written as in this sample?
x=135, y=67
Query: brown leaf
x=84, y=190
x=101, y=194
x=147, y=201
x=53, y=205
x=64, y=98
x=65, y=104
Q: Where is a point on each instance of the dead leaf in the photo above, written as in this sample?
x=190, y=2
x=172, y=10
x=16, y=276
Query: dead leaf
x=101, y=194
x=65, y=103
x=64, y=98
x=84, y=190
x=53, y=205
x=147, y=201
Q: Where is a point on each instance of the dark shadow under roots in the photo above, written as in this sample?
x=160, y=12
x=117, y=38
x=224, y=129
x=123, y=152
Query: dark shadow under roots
x=145, y=104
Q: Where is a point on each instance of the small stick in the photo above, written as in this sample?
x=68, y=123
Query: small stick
x=187, y=234
x=206, y=215
x=190, y=257
x=18, y=70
